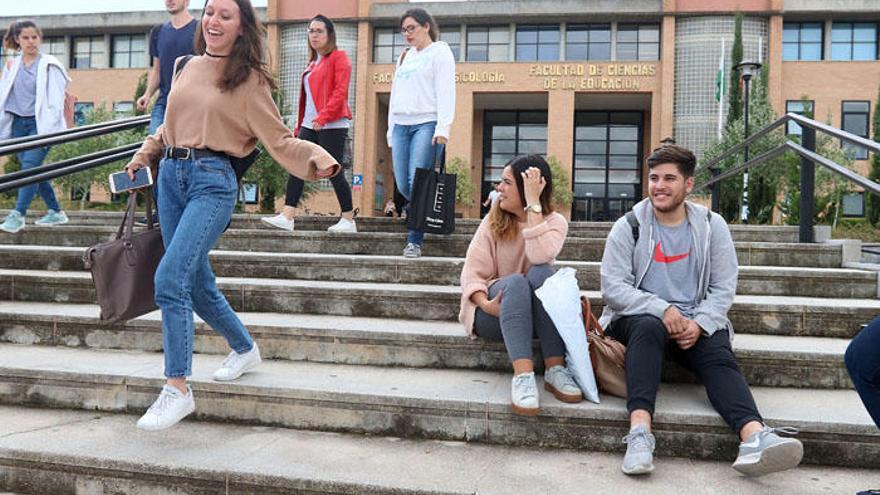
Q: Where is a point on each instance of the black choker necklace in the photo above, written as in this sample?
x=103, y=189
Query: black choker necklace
x=215, y=56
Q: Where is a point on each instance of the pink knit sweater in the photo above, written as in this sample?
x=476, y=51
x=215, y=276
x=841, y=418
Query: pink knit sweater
x=488, y=260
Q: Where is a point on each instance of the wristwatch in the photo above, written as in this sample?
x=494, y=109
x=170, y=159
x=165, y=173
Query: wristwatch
x=536, y=208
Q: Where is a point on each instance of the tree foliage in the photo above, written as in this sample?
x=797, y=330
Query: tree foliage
x=465, y=188
x=872, y=201
x=562, y=195
x=734, y=95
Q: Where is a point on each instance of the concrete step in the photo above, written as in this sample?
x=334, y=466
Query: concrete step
x=756, y=280
x=825, y=255
x=459, y=405
x=745, y=233
x=59, y=451
x=774, y=315
x=766, y=360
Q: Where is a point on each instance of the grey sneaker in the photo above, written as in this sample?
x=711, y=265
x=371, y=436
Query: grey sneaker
x=412, y=251
x=766, y=452
x=559, y=382
x=524, y=394
x=13, y=223
x=53, y=217
x=639, y=458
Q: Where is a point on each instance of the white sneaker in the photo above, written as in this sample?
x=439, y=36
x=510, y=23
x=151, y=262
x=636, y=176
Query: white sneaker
x=237, y=364
x=168, y=410
x=524, y=394
x=559, y=381
x=279, y=221
x=343, y=225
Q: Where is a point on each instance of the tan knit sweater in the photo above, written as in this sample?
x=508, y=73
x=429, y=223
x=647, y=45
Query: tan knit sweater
x=487, y=259
x=200, y=115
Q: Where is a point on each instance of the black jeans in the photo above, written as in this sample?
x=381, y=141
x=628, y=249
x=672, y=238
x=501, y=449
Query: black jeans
x=863, y=363
x=711, y=359
x=332, y=140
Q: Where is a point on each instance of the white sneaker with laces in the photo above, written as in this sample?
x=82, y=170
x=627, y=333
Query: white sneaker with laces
x=344, y=225
x=524, y=394
x=237, y=364
x=279, y=221
x=168, y=410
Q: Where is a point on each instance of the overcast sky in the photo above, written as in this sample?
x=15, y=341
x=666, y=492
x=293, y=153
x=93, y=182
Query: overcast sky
x=10, y=8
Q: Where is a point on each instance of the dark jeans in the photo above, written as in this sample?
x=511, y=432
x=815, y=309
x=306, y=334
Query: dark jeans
x=522, y=316
x=332, y=140
x=711, y=359
x=27, y=126
x=863, y=363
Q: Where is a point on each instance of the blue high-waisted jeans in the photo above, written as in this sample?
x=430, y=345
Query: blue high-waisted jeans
x=411, y=148
x=196, y=199
x=27, y=126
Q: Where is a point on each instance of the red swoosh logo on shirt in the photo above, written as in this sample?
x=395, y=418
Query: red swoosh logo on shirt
x=659, y=257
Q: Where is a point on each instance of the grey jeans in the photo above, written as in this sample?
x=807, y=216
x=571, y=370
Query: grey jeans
x=522, y=316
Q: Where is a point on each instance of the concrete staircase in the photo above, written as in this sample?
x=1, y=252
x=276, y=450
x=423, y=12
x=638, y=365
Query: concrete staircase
x=367, y=362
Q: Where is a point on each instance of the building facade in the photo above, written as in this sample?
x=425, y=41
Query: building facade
x=595, y=84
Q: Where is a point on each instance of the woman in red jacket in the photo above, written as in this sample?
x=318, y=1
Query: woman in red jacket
x=323, y=118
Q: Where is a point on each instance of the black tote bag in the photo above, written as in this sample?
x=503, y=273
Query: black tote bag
x=432, y=208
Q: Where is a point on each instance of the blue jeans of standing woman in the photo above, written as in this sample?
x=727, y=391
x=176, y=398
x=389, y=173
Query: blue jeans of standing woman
x=863, y=363
x=411, y=148
x=27, y=126
x=196, y=197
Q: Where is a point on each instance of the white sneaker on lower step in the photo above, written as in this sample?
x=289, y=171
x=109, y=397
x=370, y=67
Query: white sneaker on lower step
x=170, y=407
x=237, y=364
x=279, y=221
x=344, y=225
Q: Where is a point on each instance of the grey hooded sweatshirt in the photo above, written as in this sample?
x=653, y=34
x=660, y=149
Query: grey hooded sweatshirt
x=624, y=265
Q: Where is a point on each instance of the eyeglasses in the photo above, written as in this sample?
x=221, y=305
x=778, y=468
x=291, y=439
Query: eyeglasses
x=316, y=31
x=408, y=29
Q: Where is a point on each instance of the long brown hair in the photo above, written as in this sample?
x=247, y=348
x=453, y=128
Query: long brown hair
x=10, y=39
x=505, y=225
x=331, y=36
x=422, y=17
x=248, y=53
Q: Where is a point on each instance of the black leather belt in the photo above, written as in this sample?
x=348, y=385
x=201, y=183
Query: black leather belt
x=190, y=153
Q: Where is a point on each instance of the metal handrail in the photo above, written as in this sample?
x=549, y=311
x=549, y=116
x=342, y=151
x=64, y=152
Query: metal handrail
x=65, y=163
x=25, y=143
x=69, y=169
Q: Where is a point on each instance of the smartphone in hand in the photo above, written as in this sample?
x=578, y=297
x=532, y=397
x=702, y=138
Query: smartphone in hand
x=120, y=182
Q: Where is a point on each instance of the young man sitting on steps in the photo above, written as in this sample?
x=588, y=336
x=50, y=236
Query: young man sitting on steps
x=668, y=279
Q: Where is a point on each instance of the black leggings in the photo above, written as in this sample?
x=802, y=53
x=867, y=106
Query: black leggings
x=332, y=140
x=711, y=359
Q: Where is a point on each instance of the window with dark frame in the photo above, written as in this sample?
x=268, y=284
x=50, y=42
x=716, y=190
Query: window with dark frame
x=53, y=45
x=88, y=53
x=588, y=42
x=607, y=174
x=799, y=107
x=452, y=36
x=508, y=134
x=638, y=42
x=129, y=51
x=854, y=41
x=537, y=42
x=853, y=204
x=488, y=44
x=388, y=44
x=855, y=118
x=802, y=41
x=80, y=110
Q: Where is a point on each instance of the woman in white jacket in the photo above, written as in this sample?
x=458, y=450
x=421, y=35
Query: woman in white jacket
x=422, y=106
x=31, y=102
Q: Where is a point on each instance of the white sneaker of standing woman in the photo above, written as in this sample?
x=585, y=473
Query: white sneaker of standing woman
x=170, y=407
x=343, y=225
x=237, y=364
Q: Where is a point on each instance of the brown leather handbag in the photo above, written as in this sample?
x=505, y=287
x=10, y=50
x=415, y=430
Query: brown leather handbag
x=123, y=268
x=606, y=354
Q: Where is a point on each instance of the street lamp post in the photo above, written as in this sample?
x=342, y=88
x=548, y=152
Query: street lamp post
x=747, y=69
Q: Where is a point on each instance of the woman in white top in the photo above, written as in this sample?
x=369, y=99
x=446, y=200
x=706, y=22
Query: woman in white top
x=422, y=106
x=31, y=102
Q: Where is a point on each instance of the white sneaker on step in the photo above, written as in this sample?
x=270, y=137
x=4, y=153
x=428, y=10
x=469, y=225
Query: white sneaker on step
x=237, y=364
x=279, y=221
x=168, y=410
x=344, y=225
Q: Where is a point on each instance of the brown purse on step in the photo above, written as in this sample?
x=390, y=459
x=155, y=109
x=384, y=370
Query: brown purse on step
x=606, y=354
x=123, y=268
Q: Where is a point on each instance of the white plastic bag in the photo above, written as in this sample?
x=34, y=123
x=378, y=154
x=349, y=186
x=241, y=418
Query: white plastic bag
x=561, y=298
